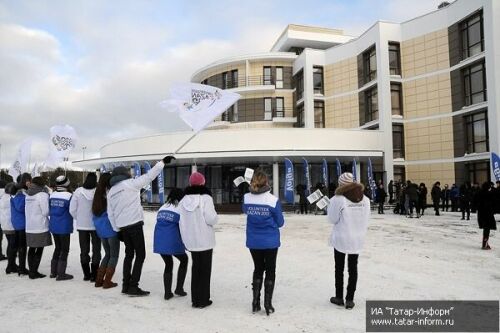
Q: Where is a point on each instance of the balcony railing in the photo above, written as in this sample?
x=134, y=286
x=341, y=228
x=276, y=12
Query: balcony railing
x=253, y=80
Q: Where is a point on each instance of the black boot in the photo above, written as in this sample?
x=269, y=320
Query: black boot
x=86, y=271
x=256, y=287
x=181, y=277
x=61, y=271
x=167, y=284
x=93, y=272
x=337, y=301
x=21, y=270
x=268, y=296
x=349, y=304
x=137, y=292
x=53, y=268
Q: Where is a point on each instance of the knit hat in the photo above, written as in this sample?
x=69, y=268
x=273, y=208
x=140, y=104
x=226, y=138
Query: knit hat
x=62, y=181
x=196, y=179
x=345, y=178
x=119, y=173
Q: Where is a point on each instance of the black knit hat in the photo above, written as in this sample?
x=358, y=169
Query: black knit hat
x=62, y=181
x=119, y=173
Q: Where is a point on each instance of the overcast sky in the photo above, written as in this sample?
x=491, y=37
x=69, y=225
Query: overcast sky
x=103, y=66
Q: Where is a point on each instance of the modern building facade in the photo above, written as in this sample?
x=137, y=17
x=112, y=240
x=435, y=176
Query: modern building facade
x=419, y=98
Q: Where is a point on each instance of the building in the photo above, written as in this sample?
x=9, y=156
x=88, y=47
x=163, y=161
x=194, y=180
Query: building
x=419, y=98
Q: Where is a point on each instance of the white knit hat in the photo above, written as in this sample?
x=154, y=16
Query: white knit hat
x=345, y=178
x=62, y=181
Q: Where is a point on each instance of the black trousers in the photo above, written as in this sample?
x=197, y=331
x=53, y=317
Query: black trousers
x=201, y=271
x=21, y=248
x=181, y=271
x=61, y=250
x=446, y=204
x=465, y=208
x=87, y=237
x=486, y=233
x=381, y=208
x=34, y=258
x=352, y=268
x=11, y=250
x=264, y=261
x=304, y=207
x=1, y=240
x=133, y=237
x=436, y=207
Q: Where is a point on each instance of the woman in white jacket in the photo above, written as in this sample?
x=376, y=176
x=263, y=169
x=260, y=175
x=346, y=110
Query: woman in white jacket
x=37, y=224
x=80, y=207
x=6, y=190
x=197, y=218
x=349, y=212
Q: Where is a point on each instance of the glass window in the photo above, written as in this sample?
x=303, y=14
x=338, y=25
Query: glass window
x=399, y=173
x=268, y=109
x=319, y=114
x=267, y=76
x=318, y=80
x=183, y=173
x=279, y=77
x=398, y=146
x=476, y=130
x=300, y=116
x=474, y=84
x=234, y=78
x=396, y=100
x=299, y=85
x=280, y=110
x=225, y=80
x=394, y=59
x=478, y=172
x=370, y=65
x=371, y=105
x=472, y=35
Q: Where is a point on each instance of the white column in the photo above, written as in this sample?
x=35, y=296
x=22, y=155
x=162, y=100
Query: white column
x=276, y=179
x=308, y=91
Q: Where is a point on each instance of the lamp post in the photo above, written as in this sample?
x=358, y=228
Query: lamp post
x=83, y=158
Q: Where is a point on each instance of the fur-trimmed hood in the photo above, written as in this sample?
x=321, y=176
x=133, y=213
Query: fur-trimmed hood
x=352, y=191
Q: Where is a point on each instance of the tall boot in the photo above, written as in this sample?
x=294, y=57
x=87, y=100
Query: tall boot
x=486, y=246
x=107, y=278
x=181, y=277
x=101, y=272
x=61, y=271
x=53, y=268
x=22, y=263
x=268, y=296
x=93, y=271
x=37, y=260
x=167, y=285
x=31, y=268
x=86, y=271
x=256, y=287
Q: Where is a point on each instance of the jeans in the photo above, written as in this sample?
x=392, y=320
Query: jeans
x=61, y=250
x=111, y=252
x=133, y=237
x=352, y=268
x=264, y=261
x=201, y=271
x=86, y=237
x=21, y=248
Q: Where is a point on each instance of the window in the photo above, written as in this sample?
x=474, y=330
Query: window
x=279, y=78
x=268, y=109
x=225, y=80
x=300, y=116
x=371, y=105
x=280, y=110
x=318, y=80
x=231, y=114
x=478, y=172
x=399, y=173
x=267, y=76
x=319, y=114
x=474, y=84
x=396, y=100
x=394, y=59
x=398, y=143
x=204, y=81
x=472, y=34
x=299, y=85
x=370, y=65
x=476, y=133
x=234, y=78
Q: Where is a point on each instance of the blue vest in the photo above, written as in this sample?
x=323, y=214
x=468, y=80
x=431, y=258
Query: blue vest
x=17, y=211
x=103, y=226
x=61, y=221
x=167, y=237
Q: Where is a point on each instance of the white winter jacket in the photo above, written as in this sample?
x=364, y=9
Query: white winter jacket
x=124, y=202
x=349, y=218
x=198, y=216
x=37, y=213
x=5, y=221
x=80, y=207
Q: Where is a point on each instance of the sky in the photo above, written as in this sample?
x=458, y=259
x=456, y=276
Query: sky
x=104, y=66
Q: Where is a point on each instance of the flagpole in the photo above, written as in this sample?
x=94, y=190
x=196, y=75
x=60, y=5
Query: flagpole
x=185, y=143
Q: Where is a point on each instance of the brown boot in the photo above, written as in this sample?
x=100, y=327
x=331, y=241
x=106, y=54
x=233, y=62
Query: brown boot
x=107, y=279
x=100, y=277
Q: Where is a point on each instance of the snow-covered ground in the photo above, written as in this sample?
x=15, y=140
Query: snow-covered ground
x=404, y=259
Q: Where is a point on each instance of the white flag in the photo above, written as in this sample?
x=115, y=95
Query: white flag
x=62, y=141
x=20, y=164
x=197, y=104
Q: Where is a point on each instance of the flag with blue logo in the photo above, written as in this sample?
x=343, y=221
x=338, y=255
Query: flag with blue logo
x=289, y=188
x=495, y=165
x=354, y=175
x=339, y=168
x=324, y=170
x=137, y=170
x=161, y=188
x=371, y=180
x=307, y=176
x=102, y=168
x=149, y=188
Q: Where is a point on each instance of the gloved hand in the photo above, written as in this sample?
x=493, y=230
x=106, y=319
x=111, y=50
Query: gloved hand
x=168, y=159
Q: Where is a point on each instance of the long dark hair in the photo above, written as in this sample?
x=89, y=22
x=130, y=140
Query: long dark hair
x=175, y=195
x=100, y=204
x=90, y=181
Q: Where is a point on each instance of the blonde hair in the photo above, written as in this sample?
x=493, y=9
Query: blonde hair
x=259, y=180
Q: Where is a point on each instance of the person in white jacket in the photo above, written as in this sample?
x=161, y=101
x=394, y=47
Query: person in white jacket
x=349, y=212
x=37, y=224
x=196, y=224
x=80, y=207
x=125, y=214
x=7, y=228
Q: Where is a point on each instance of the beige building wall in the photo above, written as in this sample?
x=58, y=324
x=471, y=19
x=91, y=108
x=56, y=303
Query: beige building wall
x=341, y=77
x=430, y=173
x=427, y=96
x=342, y=112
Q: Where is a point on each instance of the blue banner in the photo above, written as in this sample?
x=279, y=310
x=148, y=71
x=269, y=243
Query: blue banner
x=307, y=176
x=495, y=165
x=161, y=188
x=137, y=170
x=339, y=168
x=289, y=188
x=103, y=168
x=371, y=181
x=354, y=173
x=324, y=170
x=149, y=188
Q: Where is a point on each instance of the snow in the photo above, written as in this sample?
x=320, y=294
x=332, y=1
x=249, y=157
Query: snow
x=436, y=258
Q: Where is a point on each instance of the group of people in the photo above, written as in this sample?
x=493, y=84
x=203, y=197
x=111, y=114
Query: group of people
x=107, y=210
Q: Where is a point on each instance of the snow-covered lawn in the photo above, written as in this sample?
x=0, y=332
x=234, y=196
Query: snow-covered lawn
x=404, y=259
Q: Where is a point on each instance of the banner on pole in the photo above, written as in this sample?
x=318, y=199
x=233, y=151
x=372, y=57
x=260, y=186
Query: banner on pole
x=307, y=176
x=354, y=172
x=495, y=165
x=161, y=187
x=289, y=187
x=149, y=188
x=23, y=155
x=325, y=172
x=137, y=169
x=62, y=141
x=371, y=181
x=339, y=168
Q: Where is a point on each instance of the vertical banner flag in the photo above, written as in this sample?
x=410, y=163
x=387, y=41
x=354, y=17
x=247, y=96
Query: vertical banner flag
x=354, y=173
x=137, y=170
x=161, y=188
x=371, y=181
x=307, y=176
x=339, y=168
x=62, y=141
x=149, y=188
x=289, y=182
x=103, y=168
x=23, y=155
x=495, y=164
x=324, y=170
x=198, y=104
